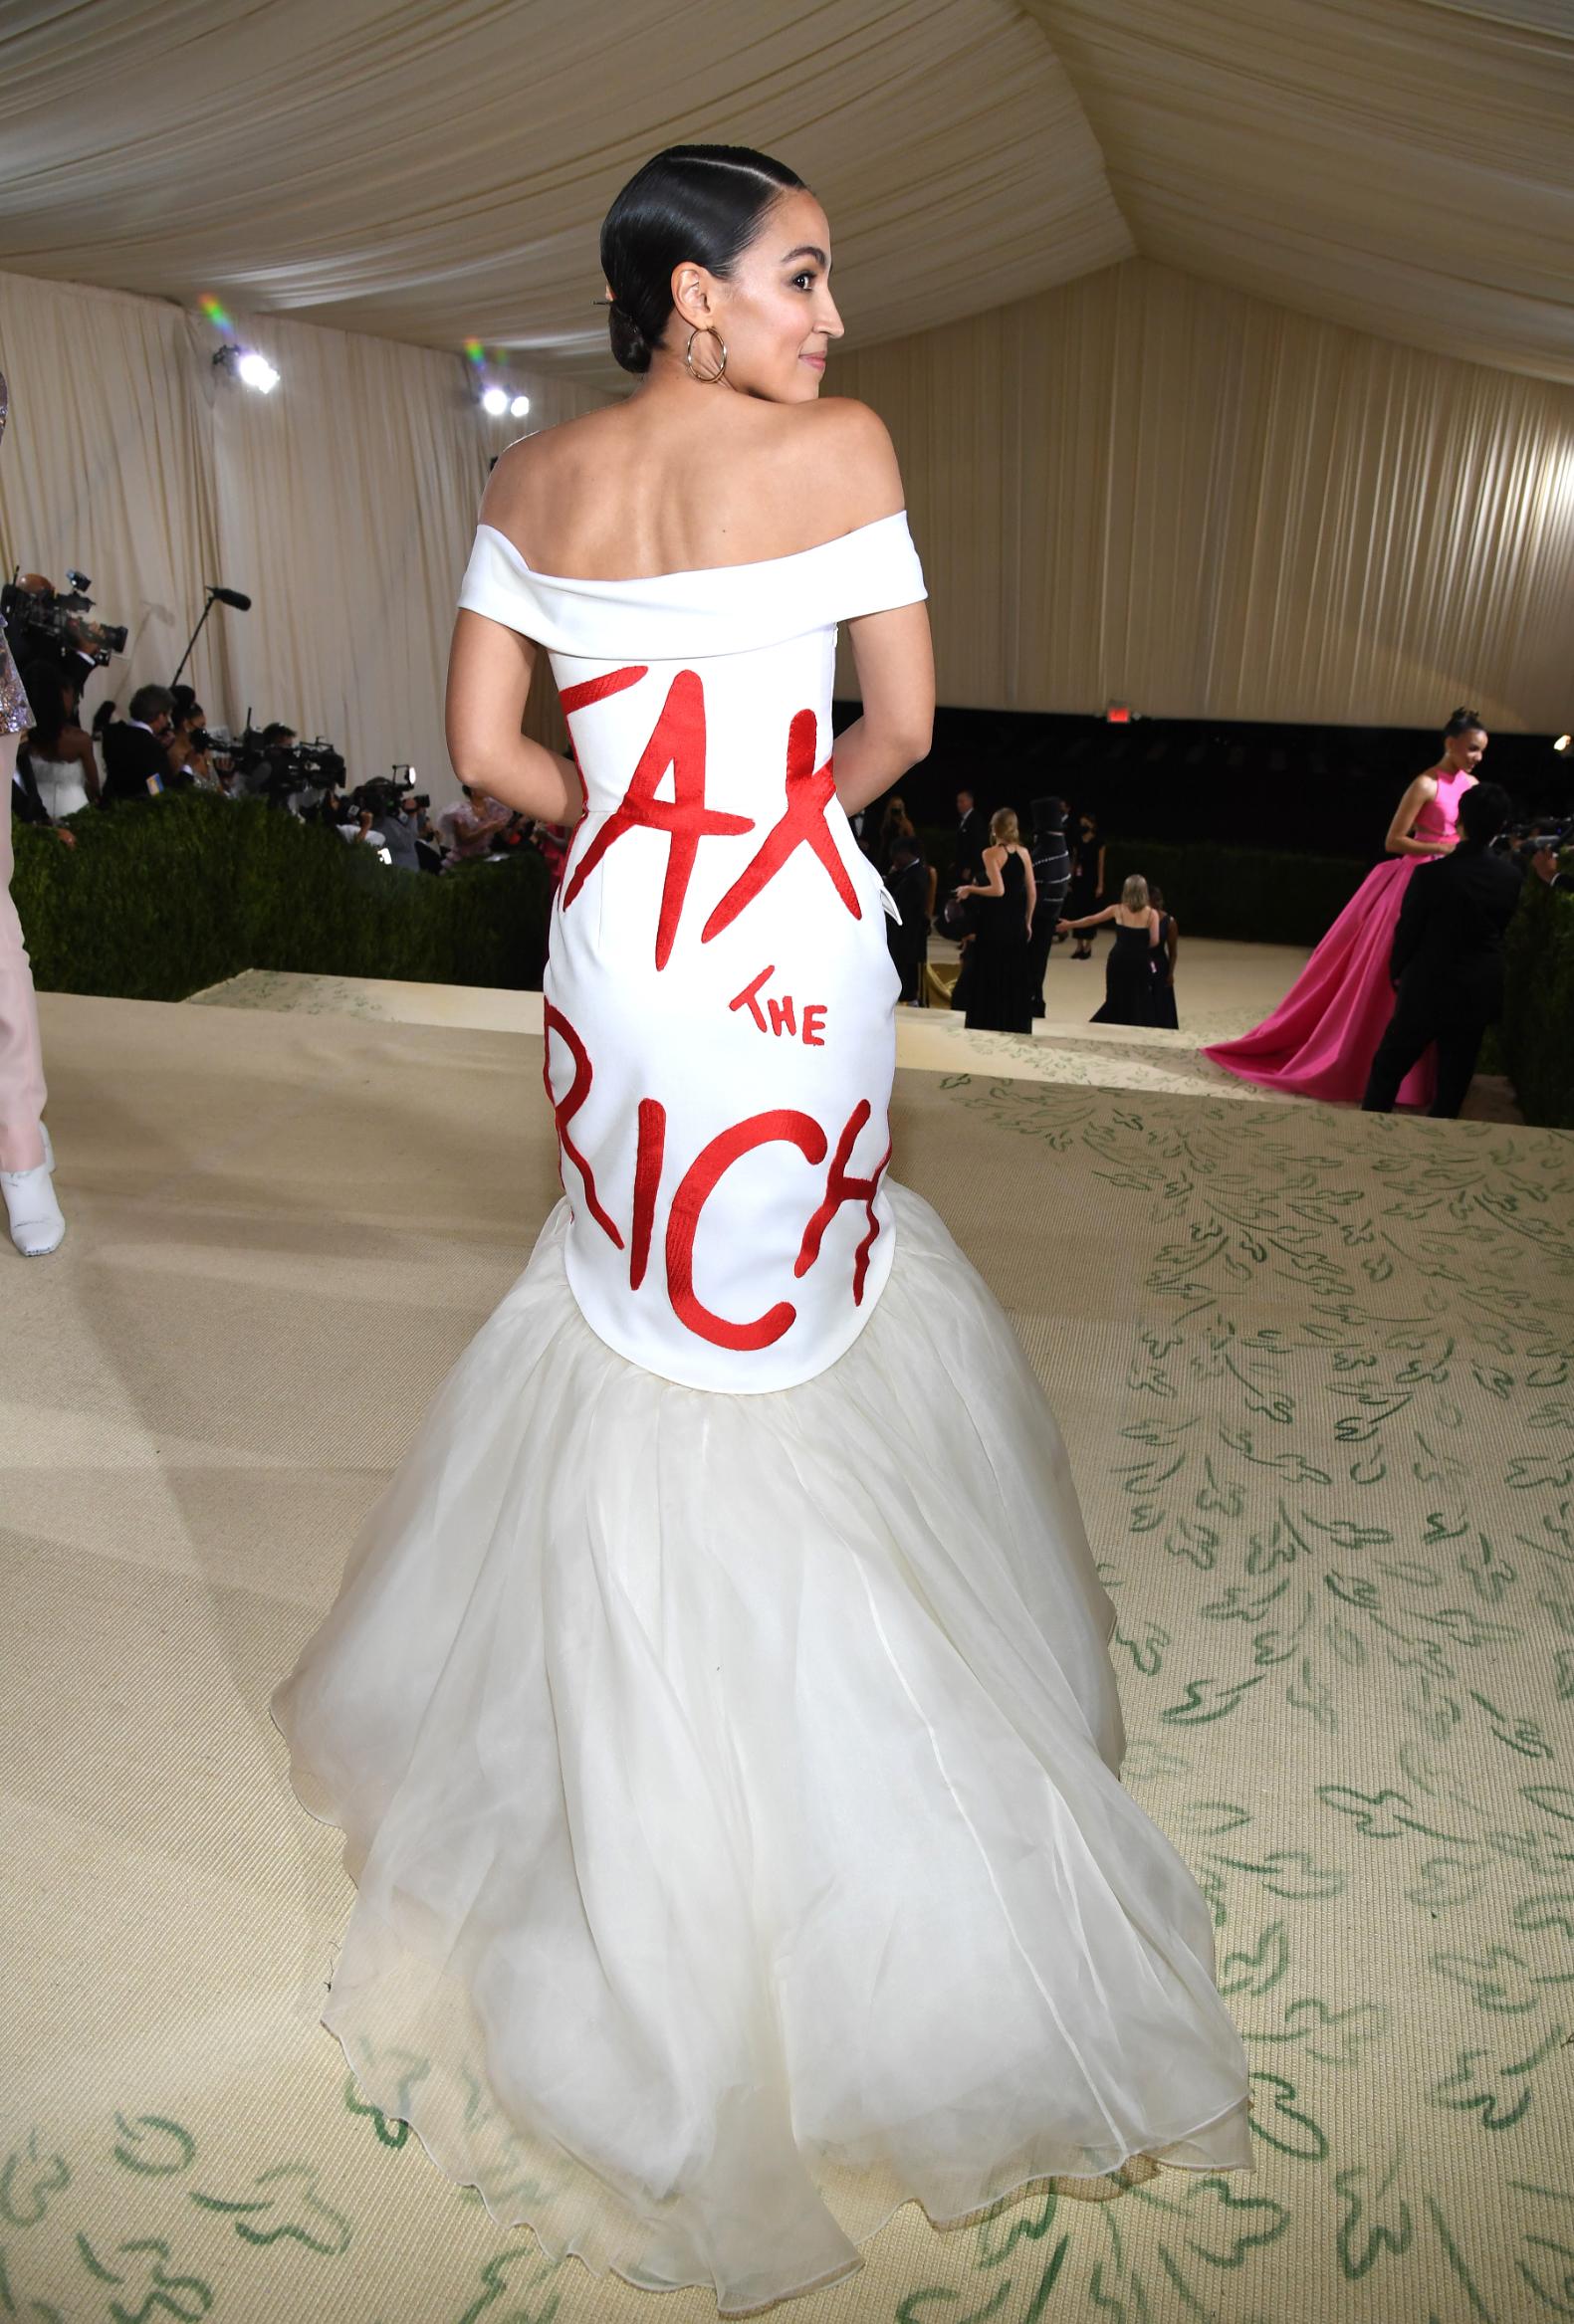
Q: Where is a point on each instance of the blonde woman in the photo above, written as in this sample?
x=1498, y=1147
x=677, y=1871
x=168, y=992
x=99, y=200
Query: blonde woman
x=1128, y=973
x=999, y=990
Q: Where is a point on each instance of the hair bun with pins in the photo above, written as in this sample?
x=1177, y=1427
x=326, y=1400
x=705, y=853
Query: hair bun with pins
x=1462, y=720
x=630, y=347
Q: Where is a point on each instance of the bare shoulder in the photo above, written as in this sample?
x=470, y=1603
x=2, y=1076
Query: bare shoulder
x=534, y=461
x=845, y=459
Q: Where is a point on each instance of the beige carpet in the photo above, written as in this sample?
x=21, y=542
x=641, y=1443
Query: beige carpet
x=1317, y=1375
x=1227, y=989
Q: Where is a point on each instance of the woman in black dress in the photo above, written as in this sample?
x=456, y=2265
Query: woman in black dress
x=1086, y=892
x=1128, y=974
x=999, y=990
x=1161, y=962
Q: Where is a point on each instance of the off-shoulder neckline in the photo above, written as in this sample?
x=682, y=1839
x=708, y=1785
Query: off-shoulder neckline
x=685, y=572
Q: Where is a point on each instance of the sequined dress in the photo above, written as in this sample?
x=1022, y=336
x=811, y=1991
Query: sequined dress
x=16, y=713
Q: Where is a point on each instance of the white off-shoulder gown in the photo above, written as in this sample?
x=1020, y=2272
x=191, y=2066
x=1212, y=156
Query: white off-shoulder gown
x=717, y=1702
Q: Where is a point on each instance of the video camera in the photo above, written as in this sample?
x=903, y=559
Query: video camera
x=52, y=621
x=1526, y=839
x=393, y=791
x=279, y=769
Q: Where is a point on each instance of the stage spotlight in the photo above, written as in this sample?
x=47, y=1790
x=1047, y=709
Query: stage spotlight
x=495, y=402
x=254, y=370
x=519, y=406
x=258, y=372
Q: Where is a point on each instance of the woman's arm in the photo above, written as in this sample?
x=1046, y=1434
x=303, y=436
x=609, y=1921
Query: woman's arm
x=895, y=662
x=1093, y=919
x=994, y=857
x=489, y=677
x=1172, y=942
x=851, y=474
x=1032, y=889
x=1399, y=841
x=1153, y=930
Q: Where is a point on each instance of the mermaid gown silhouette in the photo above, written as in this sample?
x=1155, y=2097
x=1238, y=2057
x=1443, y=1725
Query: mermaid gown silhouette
x=717, y=1703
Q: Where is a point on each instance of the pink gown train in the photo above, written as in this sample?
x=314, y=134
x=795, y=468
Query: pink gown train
x=1321, y=1039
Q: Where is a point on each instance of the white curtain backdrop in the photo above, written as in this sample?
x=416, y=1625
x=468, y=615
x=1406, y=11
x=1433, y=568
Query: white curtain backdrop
x=1136, y=487
x=1145, y=487
x=343, y=505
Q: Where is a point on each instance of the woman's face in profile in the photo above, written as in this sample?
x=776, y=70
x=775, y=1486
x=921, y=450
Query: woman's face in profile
x=776, y=310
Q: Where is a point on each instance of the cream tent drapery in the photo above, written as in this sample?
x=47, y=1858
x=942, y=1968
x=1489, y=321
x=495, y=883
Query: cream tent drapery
x=1276, y=465
x=1143, y=488
x=1138, y=486
x=437, y=173
x=343, y=505
x=429, y=173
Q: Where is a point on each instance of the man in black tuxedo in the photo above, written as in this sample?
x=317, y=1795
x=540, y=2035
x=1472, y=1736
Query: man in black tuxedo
x=972, y=839
x=1448, y=958
x=907, y=943
x=135, y=747
x=26, y=805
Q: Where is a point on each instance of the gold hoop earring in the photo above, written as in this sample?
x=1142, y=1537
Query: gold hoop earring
x=706, y=378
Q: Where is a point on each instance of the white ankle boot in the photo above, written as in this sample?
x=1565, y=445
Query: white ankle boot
x=37, y=1226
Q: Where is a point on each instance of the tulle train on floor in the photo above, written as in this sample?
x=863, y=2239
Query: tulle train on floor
x=729, y=1784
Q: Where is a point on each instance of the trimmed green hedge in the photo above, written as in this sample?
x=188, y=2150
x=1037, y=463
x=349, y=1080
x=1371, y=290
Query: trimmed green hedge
x=1256, y=895
x=155, y=901
x=1536, y=1036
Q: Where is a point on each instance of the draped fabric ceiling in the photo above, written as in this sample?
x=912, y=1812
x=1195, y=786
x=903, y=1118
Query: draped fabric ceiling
x=1369, y=203
x=438, y=173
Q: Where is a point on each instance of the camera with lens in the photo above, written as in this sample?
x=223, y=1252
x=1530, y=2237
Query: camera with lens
x=279, y=769
x=53, y=622
x=1523, y=840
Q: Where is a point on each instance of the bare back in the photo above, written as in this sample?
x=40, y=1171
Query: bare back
x=685, y=480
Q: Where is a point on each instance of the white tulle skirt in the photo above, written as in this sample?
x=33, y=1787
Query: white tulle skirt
x=730, y=1785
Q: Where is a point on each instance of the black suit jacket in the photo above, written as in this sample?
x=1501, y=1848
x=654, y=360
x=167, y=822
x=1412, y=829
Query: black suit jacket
x=908, y=889
x=972, y=839
x=26, y=804
x=131, y=755
x=1449, y=943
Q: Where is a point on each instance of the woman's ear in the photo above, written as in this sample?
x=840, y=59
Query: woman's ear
x=692, y=296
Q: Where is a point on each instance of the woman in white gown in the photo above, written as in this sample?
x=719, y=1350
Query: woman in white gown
x=60, y=751
x=717, y=1703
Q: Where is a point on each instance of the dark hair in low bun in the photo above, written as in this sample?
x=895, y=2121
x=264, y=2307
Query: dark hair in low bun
x=630, y=347
x=1462, y=720
x=699, y=202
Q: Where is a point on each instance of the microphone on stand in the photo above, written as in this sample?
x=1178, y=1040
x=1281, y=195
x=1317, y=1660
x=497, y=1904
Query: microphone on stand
x=216, y=596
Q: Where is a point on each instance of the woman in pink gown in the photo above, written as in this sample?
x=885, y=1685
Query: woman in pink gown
x=1321, y=1039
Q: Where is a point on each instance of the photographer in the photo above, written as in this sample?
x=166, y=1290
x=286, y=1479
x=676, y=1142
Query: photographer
x=1544, y=856
x=393, y=821
x=135, y=757
x=1447, y=962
